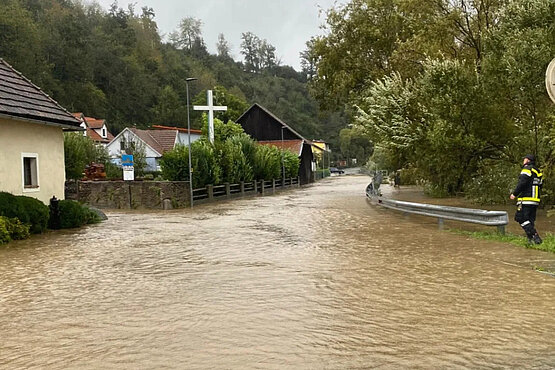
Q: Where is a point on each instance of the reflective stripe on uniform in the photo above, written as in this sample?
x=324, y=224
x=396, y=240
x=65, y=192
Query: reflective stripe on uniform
x=526, y=172
x=539, y=174
x=525, y=223
x=529, y=199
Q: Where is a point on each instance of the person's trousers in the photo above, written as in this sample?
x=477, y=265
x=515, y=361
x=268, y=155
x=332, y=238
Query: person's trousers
x=526, y=216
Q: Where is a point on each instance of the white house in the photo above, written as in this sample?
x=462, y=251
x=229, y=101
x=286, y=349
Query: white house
x=31, y=139
x=95, y=128
x=155, y=143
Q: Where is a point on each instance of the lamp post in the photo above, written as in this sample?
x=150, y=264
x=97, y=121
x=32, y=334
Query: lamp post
x=282, y=159
x=187, y=80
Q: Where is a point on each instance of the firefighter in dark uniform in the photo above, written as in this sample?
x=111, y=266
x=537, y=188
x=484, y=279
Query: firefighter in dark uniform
x=527, y=194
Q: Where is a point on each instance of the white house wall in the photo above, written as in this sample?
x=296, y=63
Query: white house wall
x=182, y=138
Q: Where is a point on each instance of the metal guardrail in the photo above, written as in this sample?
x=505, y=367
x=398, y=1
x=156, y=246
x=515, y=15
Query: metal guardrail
x=478, y=216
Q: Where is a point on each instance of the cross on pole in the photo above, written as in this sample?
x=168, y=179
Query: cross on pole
x=210, y=108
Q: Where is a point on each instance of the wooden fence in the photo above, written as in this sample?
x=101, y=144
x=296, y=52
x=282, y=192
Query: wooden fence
x=212, y=193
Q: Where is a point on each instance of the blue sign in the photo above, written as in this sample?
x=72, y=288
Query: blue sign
x=127, y=160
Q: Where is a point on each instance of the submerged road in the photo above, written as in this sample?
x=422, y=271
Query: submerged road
x=309, y=278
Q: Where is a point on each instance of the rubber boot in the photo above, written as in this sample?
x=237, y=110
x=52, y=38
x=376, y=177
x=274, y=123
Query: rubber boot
x=536, y=239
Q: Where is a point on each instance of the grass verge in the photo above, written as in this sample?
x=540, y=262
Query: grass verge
x=548, y=244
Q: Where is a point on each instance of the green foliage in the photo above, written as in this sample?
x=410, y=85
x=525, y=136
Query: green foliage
x=205, y=164
x=73, y=214
x=37, y=214
x=222, y=131
x=233, y=162
x=16, y=229
x=493, y=182
x=267, y=164
x=80, y=151
x=355, y=144
x=113, y=171
x=4, y=233
x=291, y=163
x=175, y=164
x=548, y=244
x=30, y=211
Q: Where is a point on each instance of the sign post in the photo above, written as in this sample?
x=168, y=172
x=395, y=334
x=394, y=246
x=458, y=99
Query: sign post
x=128, y=169
x=210, y=108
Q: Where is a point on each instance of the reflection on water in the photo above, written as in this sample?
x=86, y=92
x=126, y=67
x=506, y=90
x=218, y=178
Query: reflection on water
x=314, y=278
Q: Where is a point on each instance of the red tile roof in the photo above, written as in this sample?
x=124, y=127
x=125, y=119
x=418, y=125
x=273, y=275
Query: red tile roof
x=92, y=124
x=180, y=129
x=159, y=140
x=20, y=98
x=294, y=146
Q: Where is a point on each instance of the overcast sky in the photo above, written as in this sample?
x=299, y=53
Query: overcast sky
x=286, y=24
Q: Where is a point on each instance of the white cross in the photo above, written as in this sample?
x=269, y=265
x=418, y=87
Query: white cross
x=210, y=108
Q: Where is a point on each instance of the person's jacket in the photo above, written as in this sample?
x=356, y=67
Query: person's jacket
x=529, y=184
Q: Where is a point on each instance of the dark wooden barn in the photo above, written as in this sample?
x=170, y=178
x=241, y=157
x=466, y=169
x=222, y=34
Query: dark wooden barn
x=263, y=126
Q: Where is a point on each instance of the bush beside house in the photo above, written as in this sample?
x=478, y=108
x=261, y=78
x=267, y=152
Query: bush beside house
x=21, y=216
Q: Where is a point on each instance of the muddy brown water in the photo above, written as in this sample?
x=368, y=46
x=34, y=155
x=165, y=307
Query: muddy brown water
x=311, y=278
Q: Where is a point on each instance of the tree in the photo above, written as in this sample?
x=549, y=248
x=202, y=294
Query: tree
x=250, y=49
x=222, y=47
x=189, y=32
x=79, y=151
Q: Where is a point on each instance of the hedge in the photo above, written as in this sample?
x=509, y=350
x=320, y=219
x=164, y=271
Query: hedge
x=29, y=211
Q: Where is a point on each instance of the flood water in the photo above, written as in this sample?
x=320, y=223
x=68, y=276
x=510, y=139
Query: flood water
x=309, y=278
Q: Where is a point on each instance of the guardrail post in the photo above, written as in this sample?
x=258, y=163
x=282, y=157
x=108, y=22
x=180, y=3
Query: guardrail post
x=227, y=190
x=501, y=229
x=440, y=223
x=255, y=182
x=262, y=187
x=210, y=191
x=273, y=186
x=242, y=184
x=298, y=181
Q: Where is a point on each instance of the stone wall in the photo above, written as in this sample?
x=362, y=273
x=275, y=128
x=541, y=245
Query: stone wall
x=131, y=194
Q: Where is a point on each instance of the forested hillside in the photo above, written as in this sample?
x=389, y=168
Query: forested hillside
x=114, y=64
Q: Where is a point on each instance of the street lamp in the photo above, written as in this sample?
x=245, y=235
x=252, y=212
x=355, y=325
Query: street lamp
x=187, y=80
x=282, y=160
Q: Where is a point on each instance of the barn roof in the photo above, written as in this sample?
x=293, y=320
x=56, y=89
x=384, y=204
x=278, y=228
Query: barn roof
x=294, y=146
x=21, y=99
x=258, y=106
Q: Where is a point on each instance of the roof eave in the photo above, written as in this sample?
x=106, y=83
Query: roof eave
x=65, y=127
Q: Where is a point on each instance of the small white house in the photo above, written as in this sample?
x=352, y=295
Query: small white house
x=95, y=128
x=154, y=142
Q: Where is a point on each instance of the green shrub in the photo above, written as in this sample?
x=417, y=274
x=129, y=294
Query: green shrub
x=4, y=233
x=175, y=164
x=12, y=229
x=11, y=207
x=267, y=165
x=74, y=214
x=37, y=212
x=113, y=171
x=29, y=211
x=18, y=230
x=234, y=164
x=493, y=182
x=291, y=163
x=206, y=169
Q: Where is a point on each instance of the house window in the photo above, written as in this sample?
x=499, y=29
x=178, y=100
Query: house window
x=122, y=145
x=103, y=132
x=30, y=171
